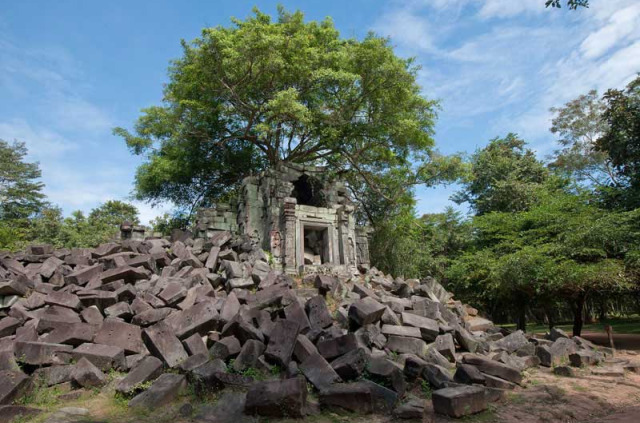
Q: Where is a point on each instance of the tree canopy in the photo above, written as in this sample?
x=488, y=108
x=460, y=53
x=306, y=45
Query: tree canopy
x=264, y=93
x=20, y=188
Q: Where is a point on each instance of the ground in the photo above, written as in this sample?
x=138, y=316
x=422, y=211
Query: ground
x=543, y=398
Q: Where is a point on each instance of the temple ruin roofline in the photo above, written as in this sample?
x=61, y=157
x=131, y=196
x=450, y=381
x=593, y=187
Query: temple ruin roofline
x=299, y=214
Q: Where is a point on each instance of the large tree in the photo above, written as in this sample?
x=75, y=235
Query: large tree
x=504, y=176
x=621, y=141
x=264, y=93
x=20, y=188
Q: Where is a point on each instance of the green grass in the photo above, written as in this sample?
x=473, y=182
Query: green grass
x=627, y=325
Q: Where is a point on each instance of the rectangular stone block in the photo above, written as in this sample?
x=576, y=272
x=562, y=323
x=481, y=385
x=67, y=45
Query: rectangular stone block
x=164, y=344
x=459, y=401
x=281, y=342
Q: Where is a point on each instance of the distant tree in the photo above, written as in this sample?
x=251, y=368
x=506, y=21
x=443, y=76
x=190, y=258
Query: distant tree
x=113, y=213
x=263, y=94
x=621, y=141
x=571, y=4
x=167, y=222
x=579, y=124
x=20, y=190
x=504, y=176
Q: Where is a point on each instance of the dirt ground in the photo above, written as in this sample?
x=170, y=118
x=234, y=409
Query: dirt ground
x=622, y=341
x=543, y=398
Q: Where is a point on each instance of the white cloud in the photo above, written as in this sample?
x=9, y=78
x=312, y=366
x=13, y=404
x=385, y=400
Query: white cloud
x=622, y=25
x=509, y=8
x=406, y=29
x=42, y=143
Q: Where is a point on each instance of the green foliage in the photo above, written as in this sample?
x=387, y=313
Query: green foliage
x=264, y=93
x=504, y=176
x=571, y=4
x=621, y=142
x=114, y=213
x=169, y=221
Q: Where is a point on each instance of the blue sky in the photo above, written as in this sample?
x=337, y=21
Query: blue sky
x=70, y=71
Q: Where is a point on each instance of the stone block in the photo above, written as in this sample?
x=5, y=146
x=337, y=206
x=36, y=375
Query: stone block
x=296, y=313
x=408, y=331
x=173, y=293
x=437, y=376
x=164, y=344
x=402, y=344
x=583, y=358
x=63, y=299
x=72, y=334
x=83, y=275
x=359, y=397
x=318, y=312
x=226, y=348
x=281, y=342
x=248, y=357
x=53, y=375
x=150, y=317
x=8, y=326
x=92, y=315
x=335, y=347
x=277, y=398
x=325, y=283
x=147, y=369
x=195, y=345
x=468, y=374
x=445, y=346
x=164, y=390
x=459, y=401
x=121, y=334
x=303, y=348
x=351, y=365
x=429, y=328
x=120, y=310
x=201, y=318
x=41, y=353
x=387, y=373
x=105, y=357
x=230, y=308
x=87, y=375
x=511, y=343
x=365, y=311
x=318, y=371
x=493, y=368
x=53, y=316
x=14, y=385
x=125, y=273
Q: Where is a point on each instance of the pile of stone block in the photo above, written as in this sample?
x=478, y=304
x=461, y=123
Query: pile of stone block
x=213, y=314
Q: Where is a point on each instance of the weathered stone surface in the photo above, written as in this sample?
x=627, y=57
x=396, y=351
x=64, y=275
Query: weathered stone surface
x=8, y=326
x=150, y=317
x=277, y=398
x=213, y=376
x=225, y=348
x=360, y=397
x=163, y=390
x=583, y=358
x=318, y=312
x=479, y=324
x=335, y=347
x=248, y=357
x=429, y=328
x=121, y=334
x=296, y=313
x=325, y=283
x=201, y=318
x=72, y=334
x=41, y=353
x=164, y=344
x=193, y=362
x=318, y=371
x=304, y=348
x=459, y=401
x=445, y=346
x=83, y=275
x=147, y=369
x=281, y=343
x=63, y=299
x=126, y=273
x=86, y=374
x=195, y=345
x=402, y=344
x=564, y=371
x=105, y=357
x=54, y=315
x=468, y=374
x=365, y=311
x=10, y=413
x=173, y=293
x=408, y=331
x=230, y=308
x=412, y=409
x=437, y=376
x=387, y=373
x=351, y=365
x=557, y=333
x=493, y=368
x=14, y=384
x=511, y=342
x=53, y=375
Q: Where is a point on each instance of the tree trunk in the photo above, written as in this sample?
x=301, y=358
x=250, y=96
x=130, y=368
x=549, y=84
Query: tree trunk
x=577, y=318
x=603, y=310
x=522, y=317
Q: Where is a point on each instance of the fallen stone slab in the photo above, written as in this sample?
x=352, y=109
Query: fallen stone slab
x=403, y=344
x=83, y=275
x=104, y=357
x=351, y=365
x=365, y=311
x=303, y=349
x=511, y=343
x=193, y=362
x=8, y=326
x=249, y=355
x=412, y=409
x=63, y=299
x=295, y=312
x=127, y=274
x=610, y=371
x=437, y=376
x=429, y=328
x=10, y=413
x=53, y=375
x=281, y=342
x=201, y=318
x=407, y=331
x=72, y=334
x=121, y=310
x=318, y=371
x=53, y=316
x=318, y=312
x=335, y=347
x=147, y=369
x=459, y=401
x=195, y=345
x=163, y=390
x=277, y=398
x=41, y=353
x=444, y=345
x=85, y=374
x=226, y=347
x=150, y=317
x=164, y=344
x=121, y=334
x=479, y=324
x=13, y=386
x=468, y=374
x=583, y=358
x=359, y=397
x=213, y=376
x=493, y=368
x=387, y=373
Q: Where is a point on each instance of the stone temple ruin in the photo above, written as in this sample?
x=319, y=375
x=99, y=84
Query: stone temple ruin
x=297, y=214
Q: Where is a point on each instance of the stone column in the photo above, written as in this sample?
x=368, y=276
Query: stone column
x=289, y=210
